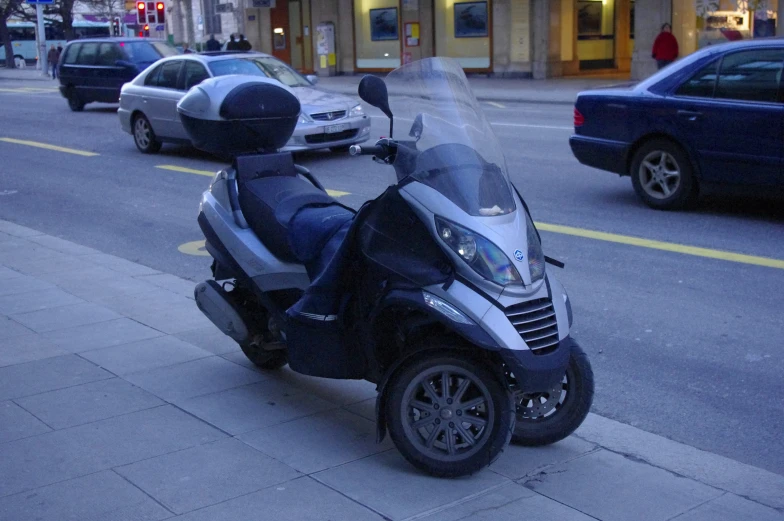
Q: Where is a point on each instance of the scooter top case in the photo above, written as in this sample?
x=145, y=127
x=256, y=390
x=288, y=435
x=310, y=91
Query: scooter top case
x=239, y=114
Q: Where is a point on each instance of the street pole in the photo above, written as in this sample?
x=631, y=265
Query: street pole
x=39, y=11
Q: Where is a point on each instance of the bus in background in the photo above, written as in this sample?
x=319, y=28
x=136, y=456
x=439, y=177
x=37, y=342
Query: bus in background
x=23, y=36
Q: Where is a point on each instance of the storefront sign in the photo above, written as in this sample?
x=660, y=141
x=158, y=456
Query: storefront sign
x=521, y=31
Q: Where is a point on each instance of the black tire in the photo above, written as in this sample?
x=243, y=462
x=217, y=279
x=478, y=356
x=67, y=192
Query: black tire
x=74, y=102
x=343, y=149
x=653, y=179
x=144, y=135
x=267, y=360
x=561, y=415
x=445, y=457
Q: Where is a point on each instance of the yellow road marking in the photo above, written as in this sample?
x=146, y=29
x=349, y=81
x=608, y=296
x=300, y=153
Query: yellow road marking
x=197, y=248
x=665, y=246
x=174, y=168
x=187, y=170
x=48, y=146
x=29, y=90
x=497, y=105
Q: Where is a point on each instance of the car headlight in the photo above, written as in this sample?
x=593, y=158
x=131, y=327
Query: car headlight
x=304, y=119
x=480, y=254
x=535, y=253
x=356, y=111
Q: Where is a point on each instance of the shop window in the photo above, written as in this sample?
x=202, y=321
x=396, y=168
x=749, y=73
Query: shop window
x=377, y=33
x=463, y=32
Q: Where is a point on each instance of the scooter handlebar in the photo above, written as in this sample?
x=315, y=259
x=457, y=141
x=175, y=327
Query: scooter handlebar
x=356, y=150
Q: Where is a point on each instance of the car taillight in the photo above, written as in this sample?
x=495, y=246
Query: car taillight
x=579, y=119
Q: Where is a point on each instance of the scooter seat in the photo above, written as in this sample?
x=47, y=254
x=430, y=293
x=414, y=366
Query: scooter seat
x=270, y=203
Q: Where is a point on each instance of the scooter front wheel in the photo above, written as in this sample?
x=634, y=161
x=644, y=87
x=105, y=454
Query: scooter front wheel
x=448, y=415
x=550, y=416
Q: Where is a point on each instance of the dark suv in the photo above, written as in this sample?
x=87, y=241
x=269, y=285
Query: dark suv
x=95, y=69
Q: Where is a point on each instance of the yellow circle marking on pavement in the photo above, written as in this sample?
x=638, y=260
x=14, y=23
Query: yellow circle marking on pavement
x=664, y=246
x=194, y=248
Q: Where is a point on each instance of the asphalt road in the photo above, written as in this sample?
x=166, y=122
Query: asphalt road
x=686, y=346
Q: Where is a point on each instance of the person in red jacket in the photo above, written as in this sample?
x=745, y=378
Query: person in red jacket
x=665, y=47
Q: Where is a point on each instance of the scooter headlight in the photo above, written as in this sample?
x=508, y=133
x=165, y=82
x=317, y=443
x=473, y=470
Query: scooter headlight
x=480, y=254
x=535, y=253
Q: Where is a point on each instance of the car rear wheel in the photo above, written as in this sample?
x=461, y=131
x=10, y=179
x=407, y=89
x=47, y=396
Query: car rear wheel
x=663, y=177
x=74, y=102
x=143, y=135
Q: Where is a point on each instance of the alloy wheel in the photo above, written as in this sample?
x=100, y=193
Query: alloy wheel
x=141, y=131
x=540, y=405
x=660, y=174
x=449, y=413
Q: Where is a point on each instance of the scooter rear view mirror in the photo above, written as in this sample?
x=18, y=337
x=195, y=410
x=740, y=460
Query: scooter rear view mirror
x=373, y=91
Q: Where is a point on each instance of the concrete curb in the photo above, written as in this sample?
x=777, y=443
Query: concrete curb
x=711, y=469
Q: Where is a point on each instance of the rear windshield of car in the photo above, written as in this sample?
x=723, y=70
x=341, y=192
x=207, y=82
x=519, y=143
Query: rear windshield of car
x=147, y=52
x=259, y=66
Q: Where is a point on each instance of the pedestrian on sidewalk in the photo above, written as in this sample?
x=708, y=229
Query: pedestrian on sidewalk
x=213, y=44
x=243, y=44
x=51, y=58
x=665, y=47
x=232, y=45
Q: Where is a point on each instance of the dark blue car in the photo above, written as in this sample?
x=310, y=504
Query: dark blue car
x=716, y=116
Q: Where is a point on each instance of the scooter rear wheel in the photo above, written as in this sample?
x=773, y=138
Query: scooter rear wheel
x=547, y=417
x=269, y=360
x=448, y=415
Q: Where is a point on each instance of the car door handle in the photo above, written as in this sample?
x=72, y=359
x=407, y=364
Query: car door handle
x=690, y=115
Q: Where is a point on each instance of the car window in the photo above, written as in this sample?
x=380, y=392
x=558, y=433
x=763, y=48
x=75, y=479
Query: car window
x=166, y=76
x=751, y=75
x=71, y=52
x=267, y=67
x=195, y=73
x=700, y=85
x=88, y=54
x=108, y=54
x=152, y=78
x=141, y=52
x=165, y=50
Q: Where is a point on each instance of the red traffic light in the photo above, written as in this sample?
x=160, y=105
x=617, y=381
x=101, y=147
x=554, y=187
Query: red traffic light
x=159, y=6
x=140, y=6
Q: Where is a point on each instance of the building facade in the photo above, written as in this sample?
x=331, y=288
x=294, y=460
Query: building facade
x=504, y=38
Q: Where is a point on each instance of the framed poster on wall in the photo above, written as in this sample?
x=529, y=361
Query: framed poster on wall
x=471, y=20
x=589, y=17
x=383, y=24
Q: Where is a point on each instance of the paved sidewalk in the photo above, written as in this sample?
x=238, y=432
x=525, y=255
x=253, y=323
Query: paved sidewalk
x=556, y=90
x=119, y=401
x=559, y=91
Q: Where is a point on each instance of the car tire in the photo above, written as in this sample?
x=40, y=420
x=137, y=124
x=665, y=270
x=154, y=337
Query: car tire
x=144, y=136
x=663, y=176
x=74, y=102
x=343, y=149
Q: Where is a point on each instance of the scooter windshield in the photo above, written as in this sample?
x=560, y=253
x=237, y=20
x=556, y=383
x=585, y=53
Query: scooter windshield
x=457, y=152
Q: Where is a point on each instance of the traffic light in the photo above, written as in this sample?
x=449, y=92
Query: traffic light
x=141, y=13
x=116, y=27
x=152, y=15
x=146, y=30
x=160, y=11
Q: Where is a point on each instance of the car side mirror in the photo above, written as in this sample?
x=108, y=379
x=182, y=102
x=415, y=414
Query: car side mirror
x=312, y=78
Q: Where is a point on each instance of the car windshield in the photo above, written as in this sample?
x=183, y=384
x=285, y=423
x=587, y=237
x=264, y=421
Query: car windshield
x=259, y=66
x=146, y=53
x=457, y=152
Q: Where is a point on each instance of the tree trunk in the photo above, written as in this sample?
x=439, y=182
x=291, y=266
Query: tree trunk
x=66, y=12
x=5, y=37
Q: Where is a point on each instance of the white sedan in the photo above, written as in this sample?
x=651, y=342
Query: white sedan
x=148, y=104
